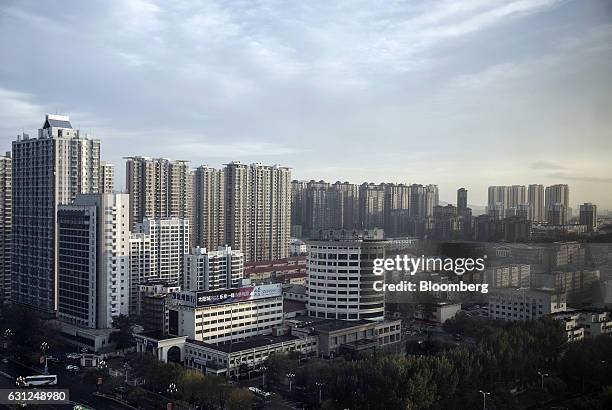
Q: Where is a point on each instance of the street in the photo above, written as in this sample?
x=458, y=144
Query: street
x=80, y=392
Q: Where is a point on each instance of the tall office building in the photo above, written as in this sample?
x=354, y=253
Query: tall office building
x=258, y=210
x=517, y=196
x=93, y=256
x=107, y=178
x=213, y=270
x=158, y=188
x=47, y=171
x=557, y=203
x=462, y=202
x=588, y=216
x=169, y=243
x=209, y=207
x=340, y=279
x=5, y=225
x=535, y=199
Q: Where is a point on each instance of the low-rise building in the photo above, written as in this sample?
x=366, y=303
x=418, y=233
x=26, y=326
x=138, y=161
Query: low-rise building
x=343, y=336
x=514, y=304
x=226, y=315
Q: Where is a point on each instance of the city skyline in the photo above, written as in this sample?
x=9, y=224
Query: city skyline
x=421, y=92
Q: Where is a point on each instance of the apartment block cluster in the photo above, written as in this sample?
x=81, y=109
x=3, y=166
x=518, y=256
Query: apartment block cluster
x=398, y=209
x=171, y=251
x=557, y=280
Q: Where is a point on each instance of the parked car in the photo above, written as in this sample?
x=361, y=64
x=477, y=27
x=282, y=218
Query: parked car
x=73, y=355
x=5, y=360
x=72, y=368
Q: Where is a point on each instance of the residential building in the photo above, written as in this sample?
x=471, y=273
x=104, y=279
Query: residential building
x=518, y=304
x=588, y=216
x=213, y=270
x=258, y=210
x=159, y=188
x=47, y=171
x=535, y=199
x=5, y=225
x=107, y=178
x=169, y=244
x=557, y=204
x=209, y=207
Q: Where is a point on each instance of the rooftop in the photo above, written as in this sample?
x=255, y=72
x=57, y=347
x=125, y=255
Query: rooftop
x=247, y=344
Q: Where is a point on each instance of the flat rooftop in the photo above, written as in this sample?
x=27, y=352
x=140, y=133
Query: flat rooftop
x=246, y=344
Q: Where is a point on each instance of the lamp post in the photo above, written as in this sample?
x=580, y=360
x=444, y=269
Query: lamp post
x=484, y=398
x=7, y=335
x=171, y=390
x=320, y=387
x=290, y=376
x=20, y=382
x=44, y=346
x=263, y=370
x=542, y=376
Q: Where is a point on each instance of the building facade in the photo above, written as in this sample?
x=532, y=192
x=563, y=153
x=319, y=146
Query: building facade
x=341, y=280
x=107, y=178
x=159, y=188
x=213, y=270
x=226, y=315
x=5, y=225
x=47, y=171
x=93, y=260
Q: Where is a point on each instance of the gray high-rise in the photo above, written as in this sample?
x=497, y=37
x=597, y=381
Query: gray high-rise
x=47, y=171
x=159, y=188
x=5, y=225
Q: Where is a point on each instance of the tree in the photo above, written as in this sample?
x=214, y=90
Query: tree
x=240, y=399
x=123, y=336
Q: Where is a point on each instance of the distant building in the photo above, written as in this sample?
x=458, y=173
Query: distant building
x=557, y=204
x=512, y=275
x=159, y=188
x=519, y=304
x=107, y=178
x=588, y=216
x=462, y=201
x=209, y=207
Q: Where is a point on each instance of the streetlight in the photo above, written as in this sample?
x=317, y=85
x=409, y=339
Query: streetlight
x=290, y=376
x=44, y=346
x=542, y=376
x=484, y=398
x=263, y=370
x=171, y=389
x=320, y=387
x=20, y=382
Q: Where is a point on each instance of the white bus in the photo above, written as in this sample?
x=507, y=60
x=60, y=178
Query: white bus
x=41, y=380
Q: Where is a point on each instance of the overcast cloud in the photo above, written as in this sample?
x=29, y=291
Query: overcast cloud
x=458, y=93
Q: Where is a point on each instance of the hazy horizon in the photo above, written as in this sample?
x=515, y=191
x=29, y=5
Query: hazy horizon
x=458, y=94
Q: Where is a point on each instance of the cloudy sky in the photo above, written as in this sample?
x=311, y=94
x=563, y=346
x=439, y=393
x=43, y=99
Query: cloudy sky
x=457, y=93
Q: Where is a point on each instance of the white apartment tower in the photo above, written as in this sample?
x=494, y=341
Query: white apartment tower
x=47, y=171
x=213, y=270
x=169, y=242
x=107, y=178
x=93, y=259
